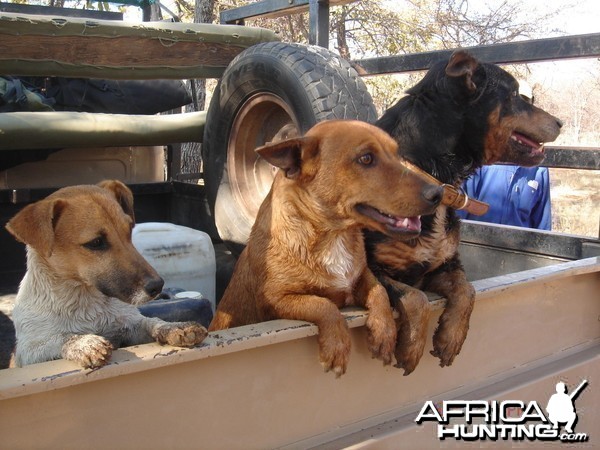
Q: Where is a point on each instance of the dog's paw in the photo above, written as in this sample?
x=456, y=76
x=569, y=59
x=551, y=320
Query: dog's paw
x=89, y=350
x=453, y=327
x=408, y=353
x=334, y=349
x=448, y=341
x=180, y=334
x=413, y=323
x=382, y=337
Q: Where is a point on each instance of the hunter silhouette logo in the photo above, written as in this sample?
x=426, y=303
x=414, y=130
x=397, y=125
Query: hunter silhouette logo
x=561, y=408
x=472, y=420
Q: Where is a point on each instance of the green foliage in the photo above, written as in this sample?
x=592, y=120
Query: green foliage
x=373, y=29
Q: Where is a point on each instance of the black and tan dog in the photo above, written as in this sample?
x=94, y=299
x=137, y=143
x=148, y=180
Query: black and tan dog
x=461, y=115
x=305, y=258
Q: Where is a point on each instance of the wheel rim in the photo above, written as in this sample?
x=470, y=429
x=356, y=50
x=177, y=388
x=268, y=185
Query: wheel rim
x=259, y=119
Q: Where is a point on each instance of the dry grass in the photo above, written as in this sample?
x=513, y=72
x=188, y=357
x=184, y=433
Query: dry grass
x=575, y=201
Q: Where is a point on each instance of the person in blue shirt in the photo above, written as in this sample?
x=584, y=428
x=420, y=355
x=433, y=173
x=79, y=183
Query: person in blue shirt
x=518, y=196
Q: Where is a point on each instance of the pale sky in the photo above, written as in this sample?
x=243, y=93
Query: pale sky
x=580, y=16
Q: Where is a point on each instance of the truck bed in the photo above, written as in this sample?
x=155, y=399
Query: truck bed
x=535, y=320
x=261, y=386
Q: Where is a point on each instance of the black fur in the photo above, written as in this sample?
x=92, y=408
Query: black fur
x=461, y=115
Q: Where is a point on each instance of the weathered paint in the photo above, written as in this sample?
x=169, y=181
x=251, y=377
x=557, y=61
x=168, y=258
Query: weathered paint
x=48, y=45
x=261, y=386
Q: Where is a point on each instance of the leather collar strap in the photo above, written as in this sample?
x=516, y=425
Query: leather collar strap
x=452, y=197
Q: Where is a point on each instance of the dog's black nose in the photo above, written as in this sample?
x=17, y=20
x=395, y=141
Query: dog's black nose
x=433, y=194
x=559, y=123
x=154, y=286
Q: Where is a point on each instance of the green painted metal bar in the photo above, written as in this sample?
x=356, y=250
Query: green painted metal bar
x=63, y=129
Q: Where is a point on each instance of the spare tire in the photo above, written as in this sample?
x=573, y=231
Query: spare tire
x=268, y=88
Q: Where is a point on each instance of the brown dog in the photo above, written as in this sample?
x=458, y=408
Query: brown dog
x=81, y=269
x=305, y=257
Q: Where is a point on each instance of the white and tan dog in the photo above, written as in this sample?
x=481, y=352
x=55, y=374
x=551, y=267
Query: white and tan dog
x=83, y=279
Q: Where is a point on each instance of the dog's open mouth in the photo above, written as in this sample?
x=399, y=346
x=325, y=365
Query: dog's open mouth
x=393, y=224
x=526, y=144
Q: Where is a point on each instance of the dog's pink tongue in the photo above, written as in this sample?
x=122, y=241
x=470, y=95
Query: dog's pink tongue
x=410, y=223
x=522, y=139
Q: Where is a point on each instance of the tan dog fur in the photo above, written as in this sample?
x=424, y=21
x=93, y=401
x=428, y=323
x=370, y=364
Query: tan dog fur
x=81, y=269
x=305, y=257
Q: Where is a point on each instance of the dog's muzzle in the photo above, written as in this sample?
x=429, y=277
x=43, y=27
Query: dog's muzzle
x=452, y=197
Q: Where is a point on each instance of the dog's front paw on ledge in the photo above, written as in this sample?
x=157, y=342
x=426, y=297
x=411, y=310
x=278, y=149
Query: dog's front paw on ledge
x=89, y=350
x=408, y=354
x=448, y=341
x=382, y=337
x=334, y=350
x=186, y=334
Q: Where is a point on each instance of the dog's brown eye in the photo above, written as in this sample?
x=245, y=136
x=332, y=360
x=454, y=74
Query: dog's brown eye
x=366, y=159
x=97, y=244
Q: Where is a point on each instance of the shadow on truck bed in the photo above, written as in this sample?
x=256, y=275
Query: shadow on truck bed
x=7, y=338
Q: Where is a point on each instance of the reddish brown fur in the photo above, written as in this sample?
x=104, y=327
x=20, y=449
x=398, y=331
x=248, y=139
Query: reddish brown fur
x=305, y=257
x=424, y=255
x=58, y=227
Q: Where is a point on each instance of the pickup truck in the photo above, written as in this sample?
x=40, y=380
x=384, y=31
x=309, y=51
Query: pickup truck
x=535, y=321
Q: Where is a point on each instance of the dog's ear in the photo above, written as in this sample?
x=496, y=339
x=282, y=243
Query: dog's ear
x=122, y=194
x=34, y=225
x=289, y=154
x=463, y=64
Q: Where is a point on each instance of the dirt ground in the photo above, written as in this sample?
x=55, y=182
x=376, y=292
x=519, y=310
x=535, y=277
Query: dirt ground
x=575, y=201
